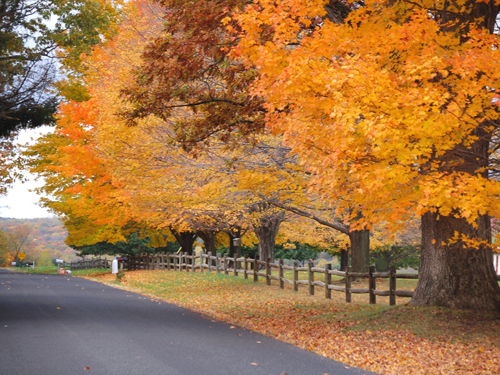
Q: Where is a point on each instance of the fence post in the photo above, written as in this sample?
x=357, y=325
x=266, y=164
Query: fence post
x=295, y=277
x=218, y=262
x=310, y=278
x=226, y=272
x=235, y=265
x=168, y=261
x=281, y=274
x=187, y=258
x=268, y=271
x=372, y=285
x=392, y=285
x=255, y=269
x=328, y=281
x=245, y=267
x=193, y=264
x=210, y=262
x=348, y=296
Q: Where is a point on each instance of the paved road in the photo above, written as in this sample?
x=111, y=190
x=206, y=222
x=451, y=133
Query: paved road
x=52, y=324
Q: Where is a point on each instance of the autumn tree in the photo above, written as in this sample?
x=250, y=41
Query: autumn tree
x=44, y=259
x=18, y=240
x=395, y=110
x=187, y=66
x=4, y=253
x=200, y=74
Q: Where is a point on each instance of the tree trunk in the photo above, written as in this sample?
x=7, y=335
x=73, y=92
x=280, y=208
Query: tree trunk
x=234, y=250
x=344, y=259
x=185, y=239
x=266, y=232
x=208, y=237
x=456, y=275
x=360, y=250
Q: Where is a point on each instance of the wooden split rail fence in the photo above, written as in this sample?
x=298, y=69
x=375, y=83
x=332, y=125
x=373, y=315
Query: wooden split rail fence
x=86, y=264
x=258, y=268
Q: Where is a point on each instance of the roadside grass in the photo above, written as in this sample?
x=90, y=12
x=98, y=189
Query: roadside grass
x=52, y=270
x=386, y=339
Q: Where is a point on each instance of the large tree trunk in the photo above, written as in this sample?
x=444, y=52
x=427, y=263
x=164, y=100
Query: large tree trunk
x=234, y=251
x=266, y=232
x=360, y=250
x=208, y=237
x=344, y=259
x=456, y=275
x=185, y=239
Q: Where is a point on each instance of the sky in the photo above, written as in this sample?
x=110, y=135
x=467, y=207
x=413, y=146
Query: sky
x=19, y=202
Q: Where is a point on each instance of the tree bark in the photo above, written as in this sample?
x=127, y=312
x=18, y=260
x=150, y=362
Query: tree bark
x=344, y=259
x=185, y=239
x=208, y=237
x=266, y=232
x=234, y=250
x=360, y=250
x=456, y=275
x=360, y=247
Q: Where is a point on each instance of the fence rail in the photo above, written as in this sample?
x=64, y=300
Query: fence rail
x=259, y=268
x=86, y=264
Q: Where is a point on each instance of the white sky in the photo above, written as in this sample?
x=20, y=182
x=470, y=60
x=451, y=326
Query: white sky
x=20, y=203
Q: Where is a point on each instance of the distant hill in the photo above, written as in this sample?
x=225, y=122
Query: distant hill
x=48, y=234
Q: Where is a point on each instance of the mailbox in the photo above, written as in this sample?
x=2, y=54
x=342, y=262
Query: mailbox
x=114, y=266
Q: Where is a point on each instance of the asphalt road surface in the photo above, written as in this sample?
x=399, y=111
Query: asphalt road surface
x=54, y=324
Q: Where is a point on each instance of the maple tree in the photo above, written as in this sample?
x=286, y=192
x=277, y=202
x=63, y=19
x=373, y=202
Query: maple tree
x=93, y=190
x=396, y=111
x=187, y=66
x=200, y=74
x=109, y=177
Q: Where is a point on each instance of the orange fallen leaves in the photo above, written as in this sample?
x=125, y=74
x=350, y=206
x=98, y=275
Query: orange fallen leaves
x=318, y=325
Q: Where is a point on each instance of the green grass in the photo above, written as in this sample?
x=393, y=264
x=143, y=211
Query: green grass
x=52, y=270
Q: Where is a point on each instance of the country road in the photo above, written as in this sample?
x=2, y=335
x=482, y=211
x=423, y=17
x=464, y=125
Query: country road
x=53, y=324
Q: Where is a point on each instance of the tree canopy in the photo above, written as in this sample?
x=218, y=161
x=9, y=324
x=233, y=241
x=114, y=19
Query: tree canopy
x=34, y=35
x=221, y=116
